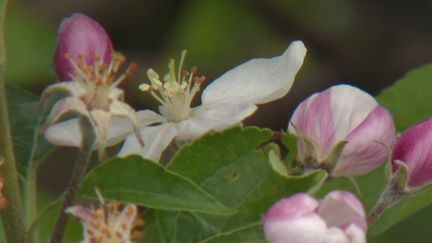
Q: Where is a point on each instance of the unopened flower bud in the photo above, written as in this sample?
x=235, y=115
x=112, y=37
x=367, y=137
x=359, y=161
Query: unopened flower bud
x=344, y=130
x=80, y=37
x=414, y=150
x=339, y=217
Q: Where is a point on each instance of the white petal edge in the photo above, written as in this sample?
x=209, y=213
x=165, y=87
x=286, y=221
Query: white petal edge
x=148, y=117
x=156, y=140
x=214, y=116
x=259, y=80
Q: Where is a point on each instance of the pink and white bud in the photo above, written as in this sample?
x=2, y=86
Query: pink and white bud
x=414, y=149
x=346, y=129
x=80, y=36
x=338, y=218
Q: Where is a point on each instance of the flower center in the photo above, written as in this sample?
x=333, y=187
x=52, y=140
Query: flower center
x=99, y=79
x=111, y=224
x=176, y=91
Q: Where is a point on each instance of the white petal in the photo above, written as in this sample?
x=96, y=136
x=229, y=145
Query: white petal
x=69, y=88
x=148, y=117
x=215, y=116
x=119, y=128
x=335, y=235
x=65, y=133
x=259, y=80
x=306, y=229
x=156, y=140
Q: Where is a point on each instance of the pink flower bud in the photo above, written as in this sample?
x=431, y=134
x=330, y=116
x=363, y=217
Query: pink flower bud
x=80, y=38
x=339, y=217
x=348, y=130
x=414, y=149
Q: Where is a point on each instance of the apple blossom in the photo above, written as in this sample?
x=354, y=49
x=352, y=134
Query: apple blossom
x=106, y=224
x=224, y=103
x=344, y=130
x=89, y=69
x=338, y=218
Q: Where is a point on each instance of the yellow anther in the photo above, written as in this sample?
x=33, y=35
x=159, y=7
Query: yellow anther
x=144, y=87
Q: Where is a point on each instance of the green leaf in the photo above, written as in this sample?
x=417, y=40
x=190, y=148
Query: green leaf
x=249, y=234
x=25, y=114
x=24, y=111
x=229, y=167
x=290, y=142
x=143, y=182
x=409, y=99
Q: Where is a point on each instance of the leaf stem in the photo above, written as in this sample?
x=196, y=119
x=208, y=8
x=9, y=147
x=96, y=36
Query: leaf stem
x=30, y=183
x=81, y=164
x=391, y=194
x=12, y=217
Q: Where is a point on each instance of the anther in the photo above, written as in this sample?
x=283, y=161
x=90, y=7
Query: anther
x=68, y=55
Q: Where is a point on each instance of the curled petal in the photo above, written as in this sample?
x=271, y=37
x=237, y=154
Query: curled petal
x=65, y=88
x=214, y=116
x=65, y=107
x=80, y=35
x=259, y=80
x=80, y=212
x=156, y=140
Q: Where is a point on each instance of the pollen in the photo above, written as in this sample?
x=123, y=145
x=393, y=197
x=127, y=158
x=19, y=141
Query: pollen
x=176, y=90
x=99, y=78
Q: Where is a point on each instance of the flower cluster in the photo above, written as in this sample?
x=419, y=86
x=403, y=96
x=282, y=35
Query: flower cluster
x=341, y=130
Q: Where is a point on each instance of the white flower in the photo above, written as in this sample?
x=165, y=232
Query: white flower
x=107, y=224
x=88, y=69
x=224, y=103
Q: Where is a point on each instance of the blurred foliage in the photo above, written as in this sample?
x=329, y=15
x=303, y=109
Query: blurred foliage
x=30, y=44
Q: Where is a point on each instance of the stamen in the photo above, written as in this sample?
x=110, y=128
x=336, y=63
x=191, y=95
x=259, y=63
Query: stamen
x=176, y=91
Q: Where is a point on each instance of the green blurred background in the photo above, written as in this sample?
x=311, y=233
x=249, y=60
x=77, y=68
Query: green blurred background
x=363, y=42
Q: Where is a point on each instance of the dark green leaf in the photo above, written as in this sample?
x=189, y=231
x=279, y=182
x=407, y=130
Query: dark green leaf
x=143, y=182
x=24, y=112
